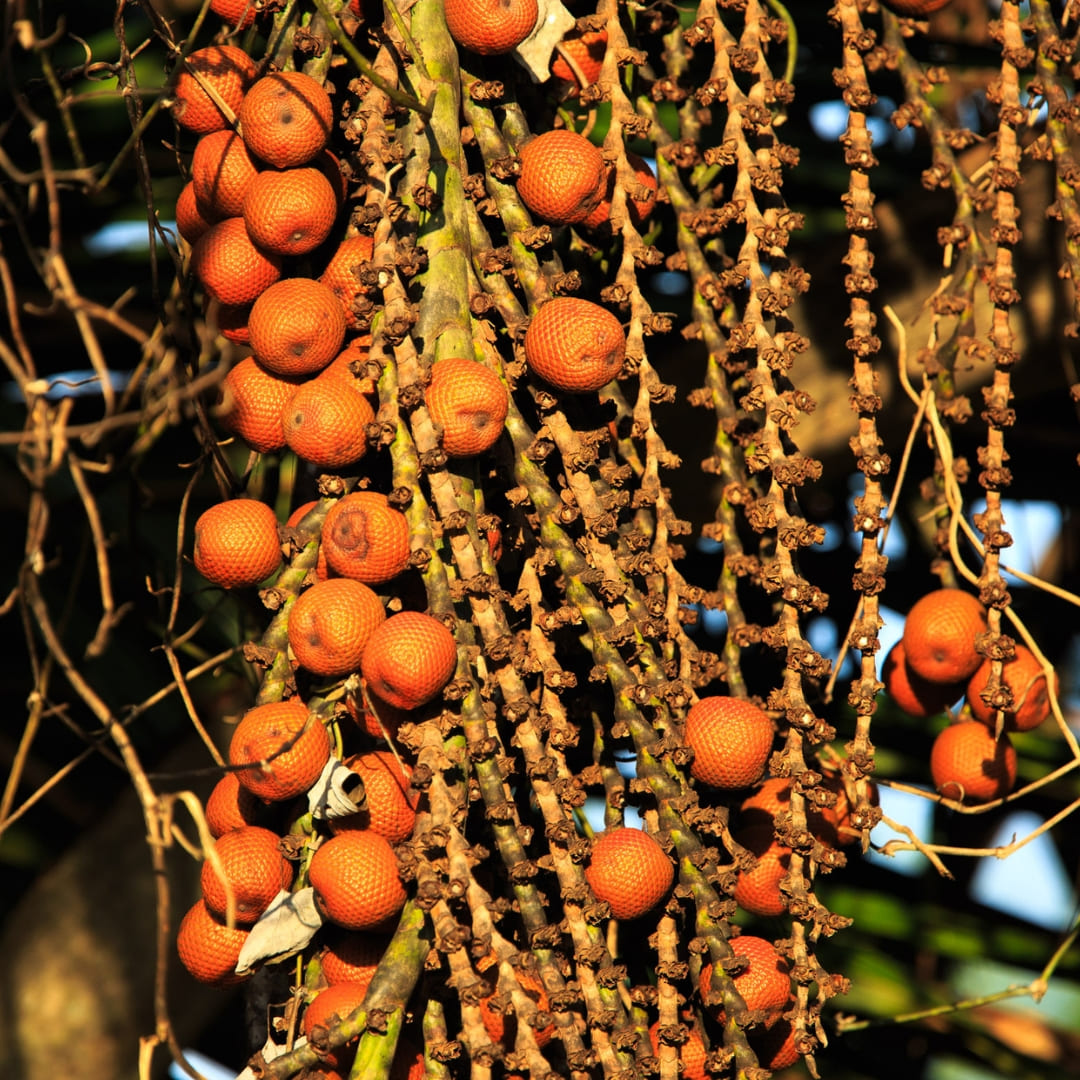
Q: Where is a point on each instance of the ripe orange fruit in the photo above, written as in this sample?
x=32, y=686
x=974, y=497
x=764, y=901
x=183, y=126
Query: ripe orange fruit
x=574, y=344
x=326, y=422
x=692, y=1053
x=236, y=543
x=290, y=212
x=468, y=401
x=390, y=810
x=340, y=275
x=231, y=321
x=638, y=205
x=341, y=367
x=222, y=170
x=352, y=956
x=356, y=880
x=832, y=824
x=496, y=1022
x=917, y=696
x=490, y=27
x=296, y=327
x=1026, y=679
x=915, y=8
x=237, y=13
x=228, y=69
x=939, y=635
x=231, y=806
x=758, y=890
x=409, y=659
x=295, y=749
x=298, y=515
x=208, y=948
x=338, y=1001
x=329, y=164
x=586, y=48
x=231, y=268
x=775, y=1045
x=330, y=624
x=562, y=176
x=409, y=1062
x=191, y=222
x=286, y=117
x=252, y=402
x=256, y=869
x=391, y=718
x=731, y=739
x=629, y=870
x=969, y=765
x=765, y=982
x=366, y=538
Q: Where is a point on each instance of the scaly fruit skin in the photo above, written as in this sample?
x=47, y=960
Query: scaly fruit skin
x=286, y=118
x=356, y=880
x=208, y=948
x=758, y=890
x=330, y=625
x=468, y=401
x=1026, y=679
x=490, y=27
x=939, y=636
x=915, y=8
x=409, y=659
x=232, y=11
x=229, y=266
x=327, y=426
x=968, y=764
x=587, y=49
x=295, y=749
x=338, y=1000
x=496, y=1022
x=290, y=212
x=252, y=402
x=340, y=274
x=918, y=697
x=256, y=869
x=390, y=809
x=639, y=204
x=222, y=171
x=731, y=739
x=352, y=956
x=562, y=176
x=765, y=982
x=236, y=543
x=231, y=806
x=365, y=538
x=692, y=1053
x=228, y=69
x=629, y=870
x=575, y=345
x=297, y=327
x=775, y=1046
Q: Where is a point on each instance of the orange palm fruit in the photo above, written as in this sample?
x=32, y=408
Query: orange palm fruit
x=336, y=1001
x=499, y=1031
x=629, y=870
x=969, y=765
x=490, y=27
x=231, y=806
x=330, y=625
x=340, y=273
x=575, y=345
x=639, y=202
x=468, y=401
x=290, y=211
x=939, y=636
x=692, y=1053
x=1025, y=677
x=296, y=327
x=237, y=13
x=255, y=868
x=586, y=48
x=356, y=882
x=833, y=824
x=765, y=982
x=374, y=712
x=286, y=117
x=230, y=267
x=298, y=515
x=409, y=659
x=326, y=422
x=915, y=9
x=231, y=321
x=252, y=402
x=236, y=543
x=562, y=176
x=917, y=696
x=352, y=956
x=228, y=70
x=222, y=170
x=758, y=890
x=390, y=803
x=283, y=747
x=775, y=1045
x=191, y=222
x=366, y=538
x=731, y=739
x=208, y=948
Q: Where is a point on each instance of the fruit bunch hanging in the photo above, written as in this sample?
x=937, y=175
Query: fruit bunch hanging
x=427, y=271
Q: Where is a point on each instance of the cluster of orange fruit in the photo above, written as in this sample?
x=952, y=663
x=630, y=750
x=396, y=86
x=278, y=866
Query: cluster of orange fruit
x=935, y=664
